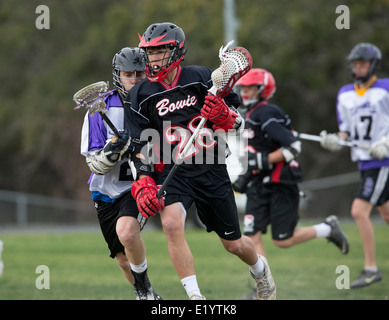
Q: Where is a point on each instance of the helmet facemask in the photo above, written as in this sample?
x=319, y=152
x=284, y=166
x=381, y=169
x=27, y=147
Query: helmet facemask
x=117, y=81
x=171, y=58
x=248, y=102
x=368, y=52
x=127, y=60
x=170, y=39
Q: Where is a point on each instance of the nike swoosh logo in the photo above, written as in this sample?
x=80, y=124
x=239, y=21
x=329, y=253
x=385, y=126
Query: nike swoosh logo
x=370, y=279
x=227, y=233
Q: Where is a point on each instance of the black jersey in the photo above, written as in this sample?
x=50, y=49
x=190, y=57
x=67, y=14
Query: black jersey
x=268, y=129
x=173, y=111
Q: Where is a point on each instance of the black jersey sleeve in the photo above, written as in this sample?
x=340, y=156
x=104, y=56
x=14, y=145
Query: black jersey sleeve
x=276, y=123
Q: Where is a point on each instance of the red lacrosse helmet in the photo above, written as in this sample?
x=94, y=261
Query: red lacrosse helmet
x=261, y=78
x=172, y=38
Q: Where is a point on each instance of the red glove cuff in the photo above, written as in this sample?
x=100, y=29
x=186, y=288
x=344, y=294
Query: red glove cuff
x=228, y=124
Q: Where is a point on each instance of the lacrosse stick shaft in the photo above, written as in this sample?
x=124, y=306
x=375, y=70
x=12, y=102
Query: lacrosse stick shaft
x=312, y=137
x=110, y=124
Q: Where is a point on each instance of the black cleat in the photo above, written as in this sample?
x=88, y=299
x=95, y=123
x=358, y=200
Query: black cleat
x=366, y=279
x=142, y=287
x=337, y=236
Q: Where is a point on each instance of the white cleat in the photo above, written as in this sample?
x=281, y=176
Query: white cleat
x=266, y=288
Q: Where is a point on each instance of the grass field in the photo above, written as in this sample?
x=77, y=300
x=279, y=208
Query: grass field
x=81, y=269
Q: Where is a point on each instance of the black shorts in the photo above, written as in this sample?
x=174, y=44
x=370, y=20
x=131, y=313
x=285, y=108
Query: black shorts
x=109, y=213
x=374, y=186
x=213, y=196
x=274, y=203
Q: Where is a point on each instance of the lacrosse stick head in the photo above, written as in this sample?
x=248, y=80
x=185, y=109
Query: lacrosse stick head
x=235, y=63
x=92, y=97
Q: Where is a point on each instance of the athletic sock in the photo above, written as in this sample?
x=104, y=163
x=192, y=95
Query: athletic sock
x=191, y=286
x=371, y=269
x=258, y=269
x=140, y=267
x=323, y=230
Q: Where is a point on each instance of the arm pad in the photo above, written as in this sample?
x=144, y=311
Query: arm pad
x=292, y=151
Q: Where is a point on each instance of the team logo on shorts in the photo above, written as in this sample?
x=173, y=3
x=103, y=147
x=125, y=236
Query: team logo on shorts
x=248, y=223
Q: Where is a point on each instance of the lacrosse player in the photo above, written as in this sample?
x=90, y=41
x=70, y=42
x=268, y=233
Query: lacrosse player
x=171, y=101
x=274, y=172
x=111, y=178
x=363, y=117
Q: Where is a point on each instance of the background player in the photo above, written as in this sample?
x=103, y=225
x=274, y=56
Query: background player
x=363, y=117
x=111, y=177
x=170, y=102
x=273, y=172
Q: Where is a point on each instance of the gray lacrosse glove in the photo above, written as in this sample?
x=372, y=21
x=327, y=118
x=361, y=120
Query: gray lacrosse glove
x=102, y=161
x=330, y=141
x=380, y=148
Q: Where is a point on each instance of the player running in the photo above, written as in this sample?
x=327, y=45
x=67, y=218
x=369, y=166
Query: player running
x=363, y=117
x=273, y=174
x=111, y=178
x=171, y=102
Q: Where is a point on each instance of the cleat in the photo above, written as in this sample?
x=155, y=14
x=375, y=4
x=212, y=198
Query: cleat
x=366, y=279
x=142, y=287
x=337, y=236
x=266, y=288
x=197, y=297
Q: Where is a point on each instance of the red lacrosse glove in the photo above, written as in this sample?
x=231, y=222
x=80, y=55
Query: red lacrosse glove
x=144, y=192
x=216, y=111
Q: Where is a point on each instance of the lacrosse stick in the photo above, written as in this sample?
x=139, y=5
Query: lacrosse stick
x=235, y=62
x=312, y=137
x=92, y=98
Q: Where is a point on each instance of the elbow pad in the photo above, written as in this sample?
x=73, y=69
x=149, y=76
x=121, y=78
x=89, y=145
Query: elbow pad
x=292, y=151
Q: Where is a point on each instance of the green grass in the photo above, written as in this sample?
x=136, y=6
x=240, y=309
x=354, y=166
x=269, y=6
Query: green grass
x=81, y=269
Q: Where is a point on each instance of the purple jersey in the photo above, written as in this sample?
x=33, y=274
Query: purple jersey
x=364, y=116
x=95, y=133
